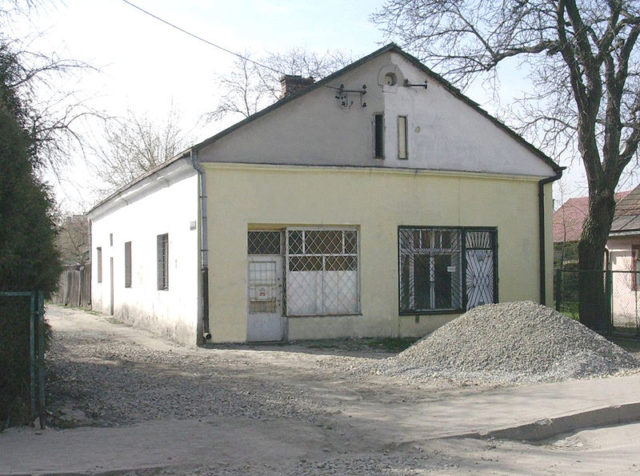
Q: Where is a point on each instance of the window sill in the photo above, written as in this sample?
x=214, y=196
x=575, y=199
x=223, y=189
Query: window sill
x=319, y=316
x=433, y=312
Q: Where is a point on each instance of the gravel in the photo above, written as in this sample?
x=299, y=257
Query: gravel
x=108, y=382
x=510, y=343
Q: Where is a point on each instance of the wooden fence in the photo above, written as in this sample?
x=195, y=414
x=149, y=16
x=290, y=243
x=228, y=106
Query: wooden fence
x=74, y=287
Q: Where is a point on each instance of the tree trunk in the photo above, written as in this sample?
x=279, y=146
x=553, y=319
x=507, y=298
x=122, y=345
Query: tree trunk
x=593, y=305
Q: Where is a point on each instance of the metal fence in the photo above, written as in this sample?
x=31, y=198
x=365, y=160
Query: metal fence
x=622, y=295
x=22, y=346
x=74, y=287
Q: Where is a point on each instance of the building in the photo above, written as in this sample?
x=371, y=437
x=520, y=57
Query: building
x=623, y=259
x=567, y=228
x=379, y=201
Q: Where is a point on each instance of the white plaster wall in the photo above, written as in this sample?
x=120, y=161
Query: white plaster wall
x=444, y=133
x=170, y=206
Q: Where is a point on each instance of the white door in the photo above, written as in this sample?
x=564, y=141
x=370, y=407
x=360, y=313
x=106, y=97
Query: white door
x=265, y=322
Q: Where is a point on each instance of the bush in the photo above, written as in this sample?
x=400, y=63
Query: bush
x=28, y=259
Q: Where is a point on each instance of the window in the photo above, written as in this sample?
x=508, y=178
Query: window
x=99, y=260
x=322, y=272
x=402, y=137
x=446, y=269
x=264, y=243
x=110, y=239
x=163, y=261
x=127, y=264
x=635, y=267
x=378, y=134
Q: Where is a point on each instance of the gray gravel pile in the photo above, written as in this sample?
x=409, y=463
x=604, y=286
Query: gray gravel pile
x=510, y=343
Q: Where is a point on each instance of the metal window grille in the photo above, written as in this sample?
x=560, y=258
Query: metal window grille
x=430, y=269
x=263, y=287
x=127, y=264
x=163, y=261
x=479, y=268
x=264, y=243
x=322, y=272
x=99, y=260
x=446, y=269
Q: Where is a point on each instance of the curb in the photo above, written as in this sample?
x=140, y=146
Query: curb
x=549, y=427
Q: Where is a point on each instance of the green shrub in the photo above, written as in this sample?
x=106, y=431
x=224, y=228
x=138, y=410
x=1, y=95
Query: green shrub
x=28, y=259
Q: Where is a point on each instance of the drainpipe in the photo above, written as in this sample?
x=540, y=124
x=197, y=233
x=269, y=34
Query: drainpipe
x=543, y=264
x=204, y=251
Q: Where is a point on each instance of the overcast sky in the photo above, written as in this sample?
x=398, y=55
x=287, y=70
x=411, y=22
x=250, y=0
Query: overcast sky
x=145, y=66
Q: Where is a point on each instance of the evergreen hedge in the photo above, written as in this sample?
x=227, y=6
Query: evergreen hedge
x=28, y=259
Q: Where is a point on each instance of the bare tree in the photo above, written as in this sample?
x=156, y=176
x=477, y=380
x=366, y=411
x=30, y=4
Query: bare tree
x=251, y=86
x=72, y=240
x=135, y=145
x=584, y=64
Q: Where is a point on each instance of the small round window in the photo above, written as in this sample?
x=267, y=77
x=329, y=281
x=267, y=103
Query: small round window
x=390, y=79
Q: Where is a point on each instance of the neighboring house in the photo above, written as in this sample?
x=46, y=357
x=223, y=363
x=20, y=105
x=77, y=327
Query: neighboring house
x=623, y=258
x=379, y=201
x=567, y=228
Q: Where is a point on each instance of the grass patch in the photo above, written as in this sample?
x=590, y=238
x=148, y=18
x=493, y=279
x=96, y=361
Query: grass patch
x=570, y=309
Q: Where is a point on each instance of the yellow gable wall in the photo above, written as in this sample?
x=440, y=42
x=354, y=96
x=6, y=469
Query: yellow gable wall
x=377, y=201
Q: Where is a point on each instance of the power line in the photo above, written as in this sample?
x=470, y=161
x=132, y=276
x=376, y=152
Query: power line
x=193, y=35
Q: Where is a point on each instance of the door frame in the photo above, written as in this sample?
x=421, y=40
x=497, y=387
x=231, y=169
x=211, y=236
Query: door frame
x=279, y=259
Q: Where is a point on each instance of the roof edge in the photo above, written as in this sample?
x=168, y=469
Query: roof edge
x=297, y=94
x=185, y=153
x=470, y=102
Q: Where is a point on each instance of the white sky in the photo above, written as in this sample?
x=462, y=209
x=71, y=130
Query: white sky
x=145, y=66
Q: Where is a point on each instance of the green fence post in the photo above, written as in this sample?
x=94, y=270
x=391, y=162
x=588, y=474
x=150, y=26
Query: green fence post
x=41, y=397
x=32, y=354
x=558, y=286
x=608, y=289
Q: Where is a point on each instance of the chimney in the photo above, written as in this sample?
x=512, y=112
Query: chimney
x=291, y=84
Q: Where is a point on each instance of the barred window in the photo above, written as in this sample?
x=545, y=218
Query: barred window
x=264, y=242
x=127, y=264
x=163, y=261
x=438, y=273
x=322, y=272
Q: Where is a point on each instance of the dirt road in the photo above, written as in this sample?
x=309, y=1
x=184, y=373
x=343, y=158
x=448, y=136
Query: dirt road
x=135, y=403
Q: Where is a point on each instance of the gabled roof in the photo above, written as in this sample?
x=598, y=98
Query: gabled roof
x=391, y=47
x=627, y=216
x=569, y=218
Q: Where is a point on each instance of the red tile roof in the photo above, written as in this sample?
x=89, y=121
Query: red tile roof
x=568, y=219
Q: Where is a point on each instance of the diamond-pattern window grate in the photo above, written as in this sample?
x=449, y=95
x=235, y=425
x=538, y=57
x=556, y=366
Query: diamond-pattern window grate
x=322, y=272
x=264, y=243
